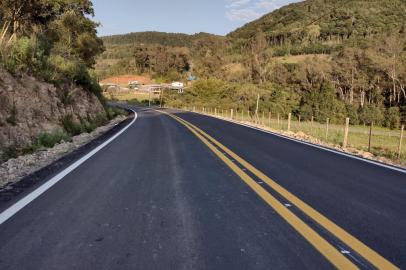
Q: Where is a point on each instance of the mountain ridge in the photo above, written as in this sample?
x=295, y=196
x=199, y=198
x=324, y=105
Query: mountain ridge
x=155, y=38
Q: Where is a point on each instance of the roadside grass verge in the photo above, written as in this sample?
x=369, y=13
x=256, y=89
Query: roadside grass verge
x=130, y=95
x=384, y=141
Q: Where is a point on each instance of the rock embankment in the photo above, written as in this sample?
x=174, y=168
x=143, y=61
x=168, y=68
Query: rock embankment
x=29, y=107
x=15, y=169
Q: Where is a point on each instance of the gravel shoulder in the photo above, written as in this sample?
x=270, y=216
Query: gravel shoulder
x=14, y=170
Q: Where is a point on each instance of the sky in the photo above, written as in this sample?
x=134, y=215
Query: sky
x=179, y=16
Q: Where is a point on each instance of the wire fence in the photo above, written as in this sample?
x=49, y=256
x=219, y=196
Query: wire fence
x=379, y=141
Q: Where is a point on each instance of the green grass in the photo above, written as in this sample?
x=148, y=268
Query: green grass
x=384, y=141
x=130, y=95
x=44, y=140
x=48, y=140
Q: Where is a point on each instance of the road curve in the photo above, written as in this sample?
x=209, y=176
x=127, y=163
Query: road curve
x=156, y=197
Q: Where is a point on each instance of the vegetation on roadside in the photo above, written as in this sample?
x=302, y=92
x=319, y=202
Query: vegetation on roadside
x=381, y=142
x=53, y=40
x=70, y=129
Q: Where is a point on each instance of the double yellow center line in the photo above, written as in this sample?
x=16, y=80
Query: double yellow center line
x=325, y=248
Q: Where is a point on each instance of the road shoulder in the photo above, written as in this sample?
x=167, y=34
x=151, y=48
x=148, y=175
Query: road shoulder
x=23, y=184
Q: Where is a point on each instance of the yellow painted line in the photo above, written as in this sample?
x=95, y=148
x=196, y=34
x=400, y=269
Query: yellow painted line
x=366, y=252
x=324, y=247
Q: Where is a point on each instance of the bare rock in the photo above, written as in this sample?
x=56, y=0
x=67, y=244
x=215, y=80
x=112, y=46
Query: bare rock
x=29, y=107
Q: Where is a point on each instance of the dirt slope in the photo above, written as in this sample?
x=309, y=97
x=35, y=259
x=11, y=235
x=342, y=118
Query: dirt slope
x=29, y=107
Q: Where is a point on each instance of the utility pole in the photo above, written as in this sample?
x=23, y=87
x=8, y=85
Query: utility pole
x=162, y=97
x=149, y=97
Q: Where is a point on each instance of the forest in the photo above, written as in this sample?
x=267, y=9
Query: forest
x=349, y=61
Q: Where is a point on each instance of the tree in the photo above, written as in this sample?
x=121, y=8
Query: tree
x=322, y=104
x=371, y=114
x=389, y=52
x=22, y=17
x=392, y=117
x=259, y=57
x=53, y=39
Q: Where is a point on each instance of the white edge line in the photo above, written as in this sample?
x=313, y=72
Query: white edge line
x=310, y=144
x=12, y=210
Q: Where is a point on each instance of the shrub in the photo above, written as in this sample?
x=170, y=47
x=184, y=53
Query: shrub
x=71, y=127
x=323, y=104
x=113, y=112
x=49, y=140
x=352, y=113
x=12, y=119
x=371, y=114
x=10, y=152
x=99, y=120
x=24, y=54
x=392, y=117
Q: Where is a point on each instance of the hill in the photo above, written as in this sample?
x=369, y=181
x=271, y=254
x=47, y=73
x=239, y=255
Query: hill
x=157, y=52
x=326, y=22
x=317, y=58
x=154, y=38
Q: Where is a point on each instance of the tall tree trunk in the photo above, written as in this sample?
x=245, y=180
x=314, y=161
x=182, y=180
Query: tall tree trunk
x=352, y=87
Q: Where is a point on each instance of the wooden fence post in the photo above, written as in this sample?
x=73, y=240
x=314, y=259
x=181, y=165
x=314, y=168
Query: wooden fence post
x=370, y=136
x=347, y=126
x=269, y=120
x=300, y=118
x=312, y=120
x=278, y=121
x=232, y=114
x=327, y=127
x=400, y=141
x=215, y=111
x=256, y=111
x=263, y=118
x=289, y=119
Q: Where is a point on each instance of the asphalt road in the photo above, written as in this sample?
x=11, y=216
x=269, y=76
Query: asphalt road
x=158, y=198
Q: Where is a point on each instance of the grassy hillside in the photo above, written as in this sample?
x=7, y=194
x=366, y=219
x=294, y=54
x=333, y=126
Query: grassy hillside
x=327, y=21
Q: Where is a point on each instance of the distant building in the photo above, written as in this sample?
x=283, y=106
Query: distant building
x=135, y=85
x=126, y=79
x=177, y=84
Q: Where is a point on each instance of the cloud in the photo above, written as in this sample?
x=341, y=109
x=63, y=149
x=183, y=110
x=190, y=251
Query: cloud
x=244, y=14
x=248, y=10
x=236, y=3
x=266, y=6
